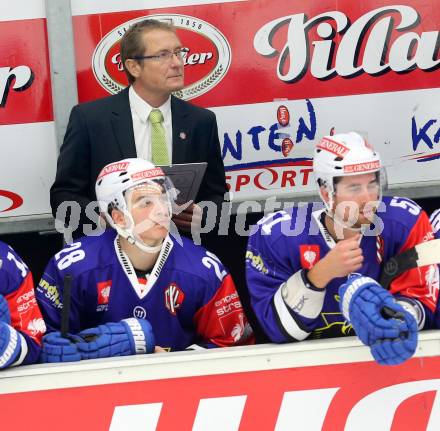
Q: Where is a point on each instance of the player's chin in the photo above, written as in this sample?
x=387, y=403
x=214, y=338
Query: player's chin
x=156, y=231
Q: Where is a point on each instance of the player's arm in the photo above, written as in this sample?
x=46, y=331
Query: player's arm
x=417, y=289
x=434, y=219
x=221, y=320
x=50, y=289
x=21, y=324
x=285, y=301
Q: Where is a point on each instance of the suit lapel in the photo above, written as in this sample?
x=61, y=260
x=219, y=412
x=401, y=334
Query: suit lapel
x=181, y=136
x=122, y=124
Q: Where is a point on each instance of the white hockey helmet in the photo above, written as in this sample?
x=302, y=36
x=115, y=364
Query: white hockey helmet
x=112, y=184
x=340, y=155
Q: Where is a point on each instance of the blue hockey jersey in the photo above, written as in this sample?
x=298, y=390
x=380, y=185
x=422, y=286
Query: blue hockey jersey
x=435, y=222
x=17, y=287
x=295, y=239
x=188, y=298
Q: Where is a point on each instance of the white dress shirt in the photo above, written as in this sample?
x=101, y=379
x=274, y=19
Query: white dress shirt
x=140, y=110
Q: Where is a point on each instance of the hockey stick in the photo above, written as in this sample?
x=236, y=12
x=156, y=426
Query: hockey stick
x=426, y=253
x=65, y=312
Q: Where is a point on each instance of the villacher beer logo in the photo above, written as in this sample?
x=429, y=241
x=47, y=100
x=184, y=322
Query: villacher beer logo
x=206, y=63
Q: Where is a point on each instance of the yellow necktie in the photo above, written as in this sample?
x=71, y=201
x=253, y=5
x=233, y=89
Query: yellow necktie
x=159, y=151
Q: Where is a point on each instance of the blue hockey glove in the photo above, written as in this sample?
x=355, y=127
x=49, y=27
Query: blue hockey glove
x=4, y=311
x=10, y=345
x=127, y=337
x=57, y=348
x=379, y=321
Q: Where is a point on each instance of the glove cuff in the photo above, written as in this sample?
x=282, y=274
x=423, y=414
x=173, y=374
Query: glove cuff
x=142, y=338
x=11, y=346
x=4, y=310
x=348, y=290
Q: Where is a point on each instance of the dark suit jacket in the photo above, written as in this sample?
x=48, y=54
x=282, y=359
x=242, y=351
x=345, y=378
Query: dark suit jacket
x=101, y=132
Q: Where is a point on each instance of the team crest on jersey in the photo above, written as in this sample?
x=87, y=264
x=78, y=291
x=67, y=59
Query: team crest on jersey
x=309, y=254
x=103, y=289
x=173, y=298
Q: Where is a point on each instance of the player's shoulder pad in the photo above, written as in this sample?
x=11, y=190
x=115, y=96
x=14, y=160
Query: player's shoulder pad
x=195, y=259
x=11, y=264
x=400, y=210
x=283, y=224
x=85, y=254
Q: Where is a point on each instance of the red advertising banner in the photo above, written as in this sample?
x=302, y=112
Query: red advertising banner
x=25, y=90
x=260, y=51
x=353, y=397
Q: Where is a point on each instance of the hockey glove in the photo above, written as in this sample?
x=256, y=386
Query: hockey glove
x=10, y=345
x=379, y=322
x=4, y=311
x=127, y=337
x=57, y=348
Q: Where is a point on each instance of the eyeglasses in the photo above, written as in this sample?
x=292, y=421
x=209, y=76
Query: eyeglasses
x=164, y=56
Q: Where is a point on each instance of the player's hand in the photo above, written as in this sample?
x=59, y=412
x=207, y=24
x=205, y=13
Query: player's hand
x=57, y=348
x=158, y=349
x=127, y=337
x=10, y=345
x=379, y=321
x=4, y=311
x=343, y=259
x=190, y=219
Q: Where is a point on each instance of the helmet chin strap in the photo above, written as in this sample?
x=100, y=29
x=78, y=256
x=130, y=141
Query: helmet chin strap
x=132, y=238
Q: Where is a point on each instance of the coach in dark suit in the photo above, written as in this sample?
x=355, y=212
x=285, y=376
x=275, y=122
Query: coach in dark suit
x=117, y=127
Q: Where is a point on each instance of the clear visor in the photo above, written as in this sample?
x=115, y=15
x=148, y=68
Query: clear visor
x=150, y=193
x=356, y=199
x=150, y=203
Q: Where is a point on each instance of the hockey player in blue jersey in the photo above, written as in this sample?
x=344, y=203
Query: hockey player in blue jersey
x=435, y=222
x=21, y=324
x=312, y=271
x=136, y=286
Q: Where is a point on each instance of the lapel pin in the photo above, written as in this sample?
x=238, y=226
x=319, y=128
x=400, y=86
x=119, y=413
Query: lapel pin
x=182, y=135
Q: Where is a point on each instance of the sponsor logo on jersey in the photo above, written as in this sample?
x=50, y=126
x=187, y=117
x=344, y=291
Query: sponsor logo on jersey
x=206, y=63
x=103, y=291
x=432, y=282
x=359, y=168
x=36, y=326
x=139, y=312
x=173, y=298
x=309, y=255
x=50, y=292
x=228, y=304
x=333, y=147
x=428, y=237
x=256, y=261
x=241, y=331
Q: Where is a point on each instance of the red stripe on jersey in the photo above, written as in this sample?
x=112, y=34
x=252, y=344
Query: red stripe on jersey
x=419, y=283
x=25, y=314
x=222, y=321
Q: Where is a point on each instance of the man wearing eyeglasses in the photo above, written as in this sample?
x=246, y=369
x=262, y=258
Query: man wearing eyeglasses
x=144, y=120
